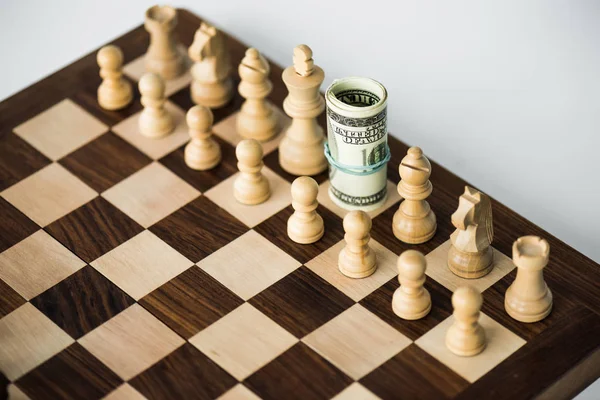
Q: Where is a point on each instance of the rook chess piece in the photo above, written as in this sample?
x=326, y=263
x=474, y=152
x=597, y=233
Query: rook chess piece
x=528, y=298
x=305, y=225
x=301, y=149
x=466, y=336
x=357, y=260
x=163, y=57
x=114, y=92
x=250, y=187
x=471, y=255
x=202, y=152
x=155, y=121
x=257, y=118
x=212, y=85
x=411, y=300
x=414, y=222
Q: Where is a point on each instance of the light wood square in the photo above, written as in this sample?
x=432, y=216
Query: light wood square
x=222, y=195
x=155, y=148
x=137, y=68
x=141, y=264
x=238, y=392
x=151, y=194
x=501, y=343
x=131, y=341
x=356, y=391
x=243, y=341
x=27, y=339
x=324, y=199
x=357, y=341
x=437, y=268
x=37, y=263
x=14, y=393
x=249, y=264
x=326, y=266
x=227, y=130
x=61, y=129
x=49, y=194
x=124, y=392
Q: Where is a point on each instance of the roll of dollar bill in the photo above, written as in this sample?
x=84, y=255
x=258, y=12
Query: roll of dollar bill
x=357, y=148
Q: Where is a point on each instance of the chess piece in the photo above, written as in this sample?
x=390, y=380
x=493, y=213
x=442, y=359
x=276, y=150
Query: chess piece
x=411, y=300
x=414, y=222
x=202, y=152
x=470, y=255
x=301, y=149
x=357, y=260
x=114, y=92
x=163, y=57
x=212, y=85
x=466, y=336
x=250, y=187
x=305, y=225
x=257, y=118
x=528, y=298
x=155, y=121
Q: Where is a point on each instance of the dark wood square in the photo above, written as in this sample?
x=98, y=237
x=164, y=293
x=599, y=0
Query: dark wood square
x=82, y=302
x=275, y=229
x=186, y=373
x=10, y=300
x=15, y=225
x=301, y=302
x=414, y=374
x=105, y=161
x=271, y=160
x=203, y=180
x=18, y=160
x=198, y=229
x=299, y=373
x=380, y=303
x=94, y=229
x=190, y=302
x=73, y=373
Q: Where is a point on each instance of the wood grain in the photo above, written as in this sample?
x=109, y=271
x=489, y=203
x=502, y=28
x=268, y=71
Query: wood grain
x=9, y=299
x=15, y=225
x=18, y=159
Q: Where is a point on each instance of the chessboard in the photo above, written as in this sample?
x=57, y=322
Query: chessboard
x=126, y=274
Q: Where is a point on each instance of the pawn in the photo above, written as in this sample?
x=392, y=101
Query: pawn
x=411, y=300
x=202, y=152
x=414, y=222
x=155, y=121
x=466, y=336
x=357, y=260
x=528, y=298
x=250, y=187
x=305, y=225
x=257, y=118
x=114, y=92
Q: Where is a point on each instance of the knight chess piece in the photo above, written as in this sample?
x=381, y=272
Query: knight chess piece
x=528, y=298
x=471, y=255
x=411, y=300
x=155, y=121
x=212, y=84
x=301, y=149
x=466, y=336
x=305, y=225
x=414, y=222
x=250, y=187
x=114, y=92
x=357, y=259
x=163, y=57
x=202, y=152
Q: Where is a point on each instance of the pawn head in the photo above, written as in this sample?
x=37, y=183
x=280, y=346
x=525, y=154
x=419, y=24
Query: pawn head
x=152, y=85
x=305, y=190
x=415, y=168
x=357, y=224
x=249, y=152
x=110, y=57
x=411, y=265
x=199, y=118
x=467, y=300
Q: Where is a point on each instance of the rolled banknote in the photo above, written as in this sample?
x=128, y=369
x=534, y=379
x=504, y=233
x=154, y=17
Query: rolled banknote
x=357, y=148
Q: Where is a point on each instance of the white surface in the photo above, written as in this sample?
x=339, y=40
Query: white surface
x=505, y=94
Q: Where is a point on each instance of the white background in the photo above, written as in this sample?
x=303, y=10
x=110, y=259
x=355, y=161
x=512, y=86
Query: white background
x=506, y=94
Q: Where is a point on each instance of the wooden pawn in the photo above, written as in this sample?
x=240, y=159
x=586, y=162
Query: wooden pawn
x=250, y=187
x=357, y=259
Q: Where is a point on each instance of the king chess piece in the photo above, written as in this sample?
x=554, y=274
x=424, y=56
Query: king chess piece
x=163, y=57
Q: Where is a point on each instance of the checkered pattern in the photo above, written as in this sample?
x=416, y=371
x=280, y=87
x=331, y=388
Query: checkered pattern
x=125, y=273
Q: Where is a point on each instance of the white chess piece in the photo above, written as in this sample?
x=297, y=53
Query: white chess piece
x=155, y=121
x=202, y=152
x=411, y=300
x=250, y=187
x=114, y=92
x=305, y=225
x=466, y=336
x=357, y=260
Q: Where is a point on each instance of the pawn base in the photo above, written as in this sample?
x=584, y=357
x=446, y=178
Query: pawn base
x=156, y=126
x=305, y=233
x=357, y=268
x=200, y=160
x=465, y=346
x=251, y=193
x=405, y=307
x=115, y=99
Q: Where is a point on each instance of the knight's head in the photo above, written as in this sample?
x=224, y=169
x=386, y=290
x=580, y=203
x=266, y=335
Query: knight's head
x=468, y=204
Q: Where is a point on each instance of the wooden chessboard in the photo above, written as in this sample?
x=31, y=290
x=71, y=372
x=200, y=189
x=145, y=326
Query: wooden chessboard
x=125, y=273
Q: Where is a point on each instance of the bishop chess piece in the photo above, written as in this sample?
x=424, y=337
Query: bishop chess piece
x=212, y=85
x=257, y=118
x=414, y=222
x=528, y=298
x=250, y=187
x=466, y=336
x=155, y=121
x=357, y=259
x=202, y=152
x=471, y=255
x=163, y=57
x=301, y=149
x=114, y=92
x=305, y=226
x=411, y=300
